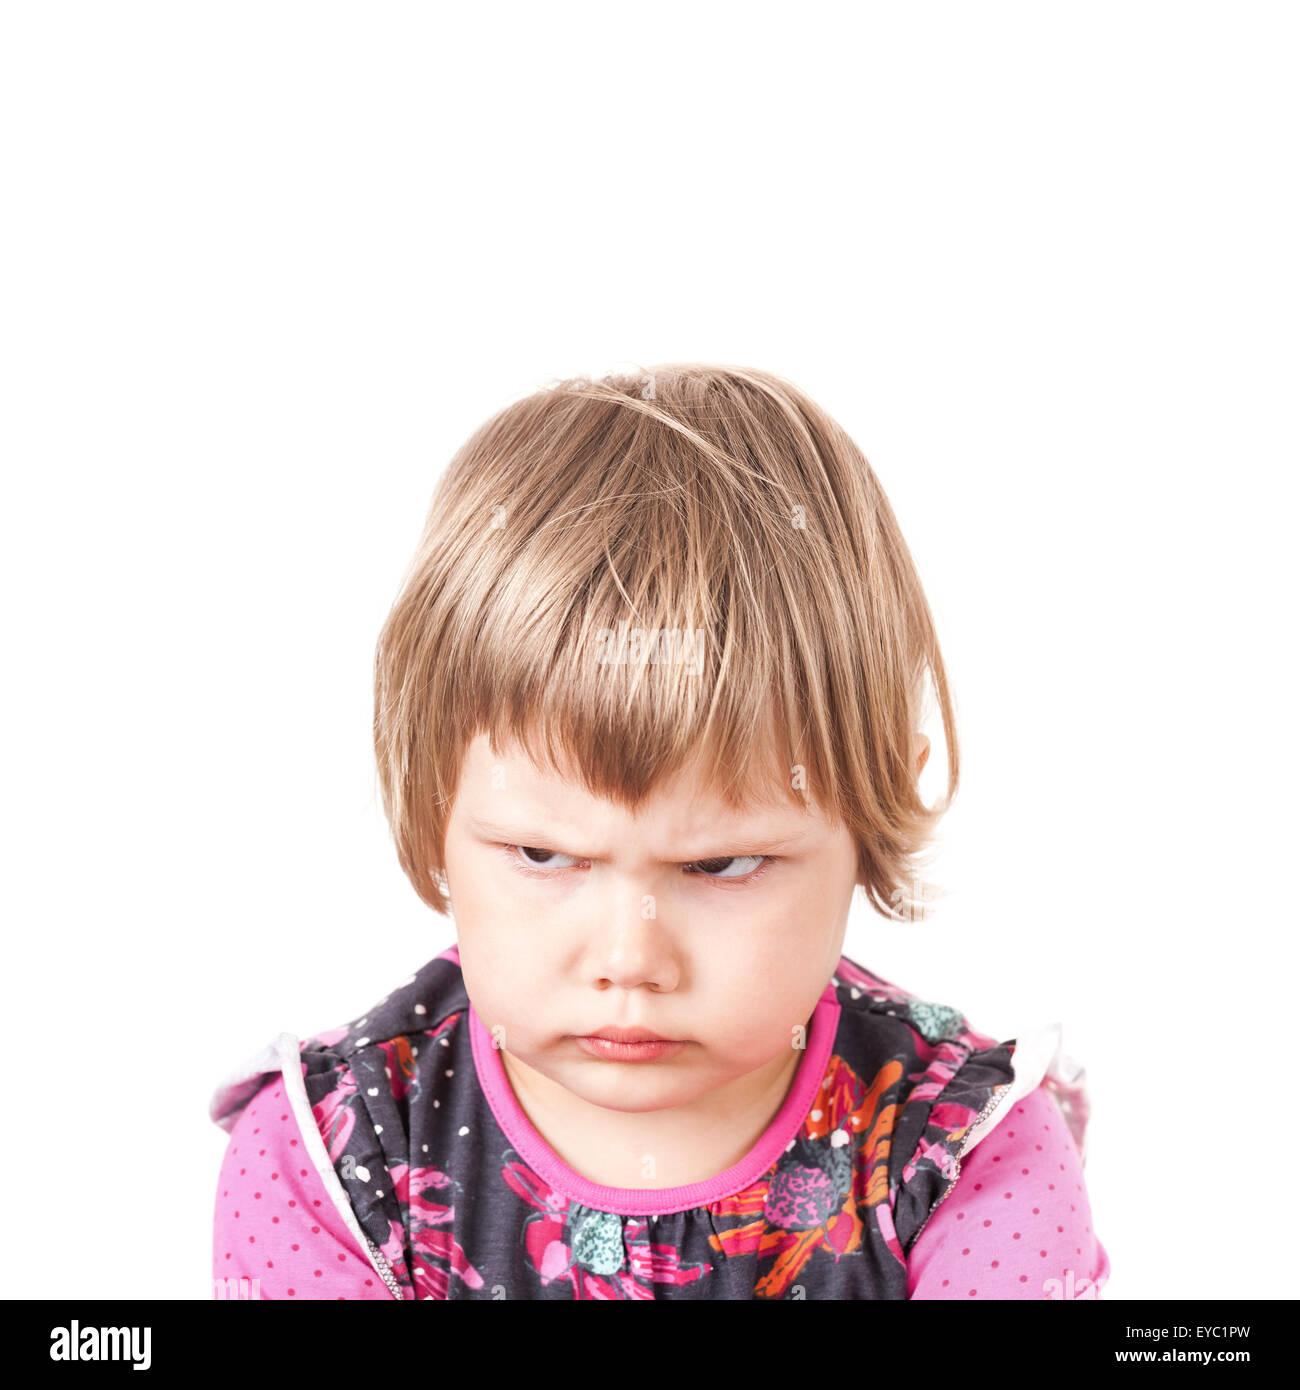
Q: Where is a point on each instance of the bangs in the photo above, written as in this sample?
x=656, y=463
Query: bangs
x=697, y=680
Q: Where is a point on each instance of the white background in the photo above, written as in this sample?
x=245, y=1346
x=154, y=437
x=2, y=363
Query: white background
x=265, y=267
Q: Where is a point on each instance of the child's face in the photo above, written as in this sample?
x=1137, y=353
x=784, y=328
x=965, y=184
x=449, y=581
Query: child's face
x=603, y=924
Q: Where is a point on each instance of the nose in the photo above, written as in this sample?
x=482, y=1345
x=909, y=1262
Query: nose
x=631, y=950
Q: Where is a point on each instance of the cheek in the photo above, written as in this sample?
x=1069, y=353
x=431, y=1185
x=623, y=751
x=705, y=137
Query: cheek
x=787, y=940
x=782, y=964
x=745, y=1038
x=506, y=969
x=495, y=995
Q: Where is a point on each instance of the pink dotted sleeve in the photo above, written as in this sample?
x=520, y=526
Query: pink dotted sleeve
x=275, y=1223
x=1017, y=1224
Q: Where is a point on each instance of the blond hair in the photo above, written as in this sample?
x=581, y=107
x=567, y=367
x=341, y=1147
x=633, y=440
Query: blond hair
x=717, y=503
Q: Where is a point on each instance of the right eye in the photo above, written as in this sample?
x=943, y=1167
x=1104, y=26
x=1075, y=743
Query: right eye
x=529, y=851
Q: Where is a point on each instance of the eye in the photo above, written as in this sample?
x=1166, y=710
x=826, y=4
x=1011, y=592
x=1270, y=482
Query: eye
x=529, y=851
x=755, y=860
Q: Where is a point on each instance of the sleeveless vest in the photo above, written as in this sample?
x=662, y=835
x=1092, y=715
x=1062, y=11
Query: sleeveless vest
x=413, y=1128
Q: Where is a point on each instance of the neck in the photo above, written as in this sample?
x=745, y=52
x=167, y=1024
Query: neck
x=690, y=1143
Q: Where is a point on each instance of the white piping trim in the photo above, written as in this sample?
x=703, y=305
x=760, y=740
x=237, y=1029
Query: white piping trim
x=290, y=1060
x=239, y=1086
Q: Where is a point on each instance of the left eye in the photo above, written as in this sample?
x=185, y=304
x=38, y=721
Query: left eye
x=752, y=860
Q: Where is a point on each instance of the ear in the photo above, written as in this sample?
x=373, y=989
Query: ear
x=920, y=751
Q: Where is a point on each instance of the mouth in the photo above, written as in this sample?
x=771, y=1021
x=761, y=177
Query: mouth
x=628, y=1045
x=628, y=1035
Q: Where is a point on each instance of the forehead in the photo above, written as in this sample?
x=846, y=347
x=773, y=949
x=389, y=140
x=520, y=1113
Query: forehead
x=507, y=782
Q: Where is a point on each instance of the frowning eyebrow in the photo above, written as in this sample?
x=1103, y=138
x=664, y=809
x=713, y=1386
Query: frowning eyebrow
x=531, y=839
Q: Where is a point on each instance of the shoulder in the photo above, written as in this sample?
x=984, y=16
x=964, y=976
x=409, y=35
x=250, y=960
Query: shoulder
x=1017, y=1223
x=374, y=1065
x=936, y=1059
x=429, y=1002
x=943, y=1083
x=423, y=1003
x=881, y=1017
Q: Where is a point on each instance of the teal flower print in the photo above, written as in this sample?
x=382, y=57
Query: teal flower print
x=935, y=1021
x=596, y=1239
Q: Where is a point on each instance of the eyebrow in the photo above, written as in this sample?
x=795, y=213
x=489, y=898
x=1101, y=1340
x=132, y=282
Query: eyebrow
x=529, y=840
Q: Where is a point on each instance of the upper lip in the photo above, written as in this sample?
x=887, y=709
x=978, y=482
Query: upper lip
x=628, y=1035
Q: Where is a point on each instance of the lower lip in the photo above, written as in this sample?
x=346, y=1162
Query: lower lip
x=610, y=1051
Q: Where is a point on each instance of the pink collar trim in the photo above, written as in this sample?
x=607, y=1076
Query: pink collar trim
x=659, y=1201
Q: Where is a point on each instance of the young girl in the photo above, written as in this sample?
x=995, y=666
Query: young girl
x=646, y=713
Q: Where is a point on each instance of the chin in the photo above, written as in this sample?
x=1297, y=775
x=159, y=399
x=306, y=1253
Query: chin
x=631, y=1095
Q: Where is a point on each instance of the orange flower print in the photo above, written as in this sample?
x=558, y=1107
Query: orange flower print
x=809, y=1200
